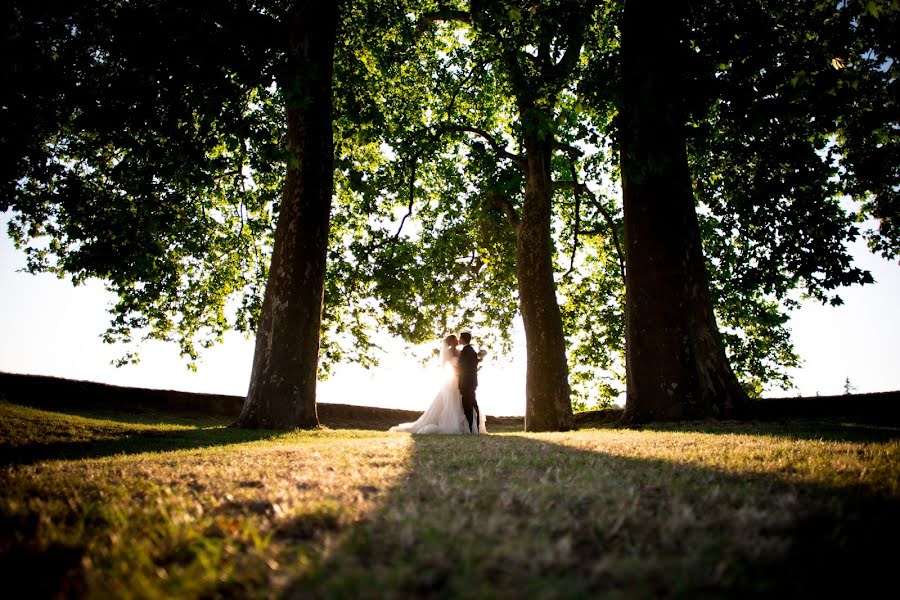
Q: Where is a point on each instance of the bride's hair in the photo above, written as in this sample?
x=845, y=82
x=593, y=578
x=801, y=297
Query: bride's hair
x=451, y=341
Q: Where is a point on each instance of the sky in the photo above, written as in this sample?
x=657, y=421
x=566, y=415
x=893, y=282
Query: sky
x=50, y=327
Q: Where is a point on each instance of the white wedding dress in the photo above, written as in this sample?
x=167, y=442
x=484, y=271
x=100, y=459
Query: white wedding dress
x=445, y=415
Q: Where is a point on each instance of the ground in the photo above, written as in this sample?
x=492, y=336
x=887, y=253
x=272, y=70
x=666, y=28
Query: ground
x=143, y=504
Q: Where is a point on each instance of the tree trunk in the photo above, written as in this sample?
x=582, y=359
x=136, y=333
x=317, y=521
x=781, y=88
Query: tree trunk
x=676, y=367
x=282, y=393
x=547, y=403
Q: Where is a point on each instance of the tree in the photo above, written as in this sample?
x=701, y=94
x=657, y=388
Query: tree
x=156, y=171
x=675, y=359
x=535, y=82
x=282, y=390
x=557, y=33
x=772, y=145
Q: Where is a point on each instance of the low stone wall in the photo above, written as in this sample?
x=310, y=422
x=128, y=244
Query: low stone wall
x=56, y=392
x=880, y=408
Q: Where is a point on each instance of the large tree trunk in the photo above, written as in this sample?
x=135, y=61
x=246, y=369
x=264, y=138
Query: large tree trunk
x=282, y=392
x=547, y=403
x=548, y=406
x=676, y=367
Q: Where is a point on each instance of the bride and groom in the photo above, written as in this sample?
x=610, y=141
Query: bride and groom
x=454, y=409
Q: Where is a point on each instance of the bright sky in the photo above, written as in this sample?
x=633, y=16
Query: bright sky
x=50, y=327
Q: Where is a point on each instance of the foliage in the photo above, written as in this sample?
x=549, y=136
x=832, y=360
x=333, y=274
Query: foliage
x=427, y=256
x=456, y=158
x=160, y=172
x=777, y=140
x=156, y=171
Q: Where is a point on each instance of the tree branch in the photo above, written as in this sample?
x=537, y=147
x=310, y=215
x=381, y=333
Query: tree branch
x=565, y=185
x=412, y=196
x=610, y=222
x=517, y=77
x=500, y=150
x=414, y=161
x=409, y=210
x=615, y=237
x=510, y=56
x=572, y=151
x=572, y=53
x=506, y=206
x=476, y=70
x=576, y=190
x=442, y=15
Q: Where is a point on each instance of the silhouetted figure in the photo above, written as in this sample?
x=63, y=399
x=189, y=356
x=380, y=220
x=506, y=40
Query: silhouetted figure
x=468, y=380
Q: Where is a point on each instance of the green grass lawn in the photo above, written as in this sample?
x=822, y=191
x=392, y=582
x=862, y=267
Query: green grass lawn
x=116, y=505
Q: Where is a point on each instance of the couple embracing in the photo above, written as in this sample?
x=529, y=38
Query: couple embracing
x=454, y=409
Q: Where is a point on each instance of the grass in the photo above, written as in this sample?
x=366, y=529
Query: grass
x=149, y=506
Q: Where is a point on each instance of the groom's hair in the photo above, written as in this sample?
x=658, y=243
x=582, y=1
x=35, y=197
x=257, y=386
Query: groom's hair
x=465, y=337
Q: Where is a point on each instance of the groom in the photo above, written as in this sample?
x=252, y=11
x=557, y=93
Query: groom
x=468, y=379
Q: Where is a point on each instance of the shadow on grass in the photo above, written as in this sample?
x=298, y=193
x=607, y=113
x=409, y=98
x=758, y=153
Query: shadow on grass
x=143, y=417
x=811, y=429
x=131, y=443
x=511, y=516
x=205, y=431
x=115, y=436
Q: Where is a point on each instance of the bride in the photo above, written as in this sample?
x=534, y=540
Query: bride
x=445, y=415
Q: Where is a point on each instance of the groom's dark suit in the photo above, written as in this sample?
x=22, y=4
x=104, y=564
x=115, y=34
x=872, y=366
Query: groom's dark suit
x=468, y=381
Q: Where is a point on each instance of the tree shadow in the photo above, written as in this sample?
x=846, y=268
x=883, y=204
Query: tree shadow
x=130, y=443
x=114, y=436
x=797, y=429
x=203, y=431
x=514, y=516
x=138, y=416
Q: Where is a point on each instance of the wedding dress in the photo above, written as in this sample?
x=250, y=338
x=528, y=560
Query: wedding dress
x=445, y=415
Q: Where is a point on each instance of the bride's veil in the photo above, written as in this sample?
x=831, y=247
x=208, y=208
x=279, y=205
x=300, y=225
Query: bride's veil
x=446, y=351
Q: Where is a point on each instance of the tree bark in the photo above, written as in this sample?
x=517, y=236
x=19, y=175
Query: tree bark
x=547, y=403
x=282, y=392
x=676, y=367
